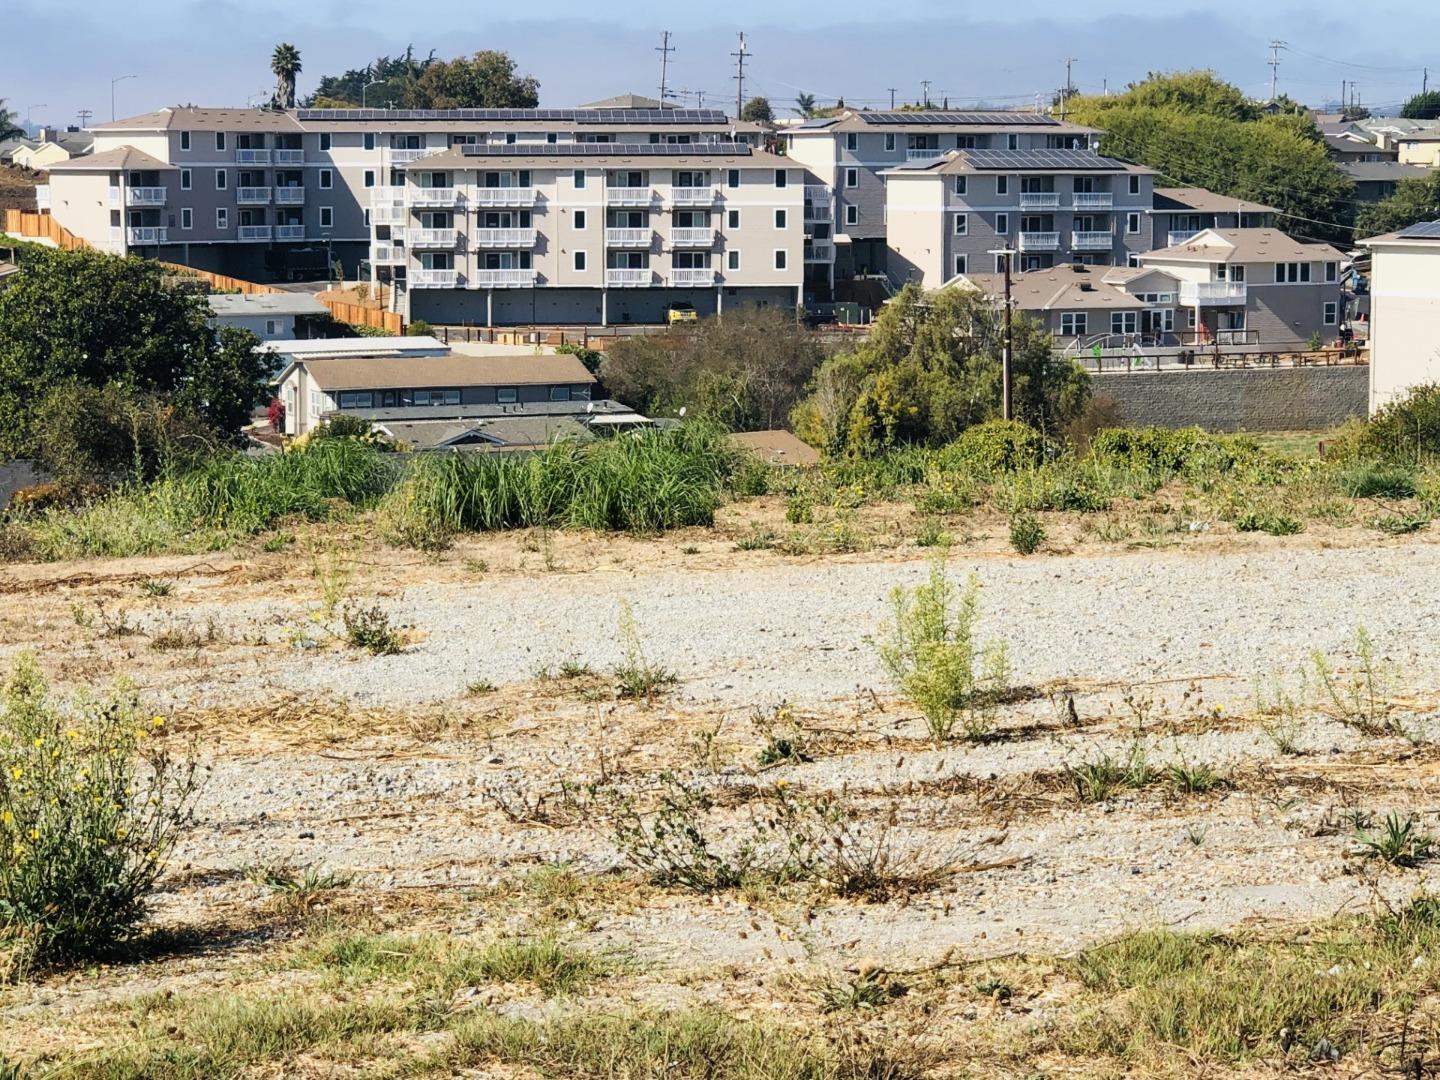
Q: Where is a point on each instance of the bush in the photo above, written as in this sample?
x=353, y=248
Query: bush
x=992, y=447
x=1370, y=480
x=1407, y=430
x=91, y=804
x=1026, y=533
x=370, y=629
x=419, y=328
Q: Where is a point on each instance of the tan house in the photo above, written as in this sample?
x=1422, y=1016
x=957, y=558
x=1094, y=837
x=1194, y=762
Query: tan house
x=1404, y=311
x=39, y=157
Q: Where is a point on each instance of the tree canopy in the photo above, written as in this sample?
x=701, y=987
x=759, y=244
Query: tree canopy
x=1424, y=106
x=285, y=65
x=1414, y=200
x=486, y=80
x=9, y=122
x=758, y=111
x=930, y=369
x=95, y=319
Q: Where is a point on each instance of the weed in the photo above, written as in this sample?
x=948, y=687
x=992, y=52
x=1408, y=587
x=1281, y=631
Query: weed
x=636, y=677
x=115, y=626
x=1187, y=779
x=297, y=893
x=689, y=549
x=370, y=629
x=1272, y=522
x=1026, y=532
x=175, y=638
x=84, y=619
x=1102, y=777
x=1196, y=833
x=931, y=535
x=157, y=587
x=1282, y=711
x=1397, y=843
x=277, y=542
x=800, y=510
x=477, y=567
x=575, y=669
x=562, y=804
x=333, y=573
x=1363, y=701
x=479, y=688
x=1399, y=524
x=784, y=741
x=872, y=988
x=1374, y=480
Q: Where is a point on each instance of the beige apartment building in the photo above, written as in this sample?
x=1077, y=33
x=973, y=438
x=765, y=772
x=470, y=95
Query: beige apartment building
x=518, y=234
x=1404, y=312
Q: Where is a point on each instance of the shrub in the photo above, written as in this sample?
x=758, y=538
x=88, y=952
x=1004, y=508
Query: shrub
x=370, y=629
x=930, y=652
x=91, y=803
x=1272, y=522
x=1371, y=480
x=1026, y=533
x=1407, y=430
x=419, y=328
x=994, y=446
x=636, y=677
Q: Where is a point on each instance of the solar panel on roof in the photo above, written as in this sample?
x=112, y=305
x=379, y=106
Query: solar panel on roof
x=579, y=116
x=1040, y=159
x=700, y=149
x=1425, y=230
x=957, y=118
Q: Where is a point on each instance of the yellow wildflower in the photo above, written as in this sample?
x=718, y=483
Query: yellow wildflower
x=158, y=721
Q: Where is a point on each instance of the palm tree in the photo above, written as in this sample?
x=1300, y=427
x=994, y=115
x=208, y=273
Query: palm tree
x=285, y=63
x=805, y=104
x=8, y=126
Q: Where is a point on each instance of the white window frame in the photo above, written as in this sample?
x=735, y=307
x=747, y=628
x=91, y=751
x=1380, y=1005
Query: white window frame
x=324, y=142
x=962, y=225
x=580, y=262
x=962, y=264
x=185, y=179
x=187, y=218
x=365, y=213
x=1002, y=185
x=327, y=217
x=506, y=395
x=1124, y=322
x=961, y=184
x=369, y=142
x=369, y=178
x=1002, y=224
x=1133, y=259
x=1134, y=183
x=732, y=219
x=219, y=142
x=1330, y=313
x=1012, y=141
x=1332, y=273
x=579, y=179
x=782, y=218
x=1292, y=273
x=852, y=214
x=582, y=220
x=732, y=178
x=222, y=218
x=272, y=327
x=222, y=180
x=889, y=140
x=782, y=178
x=782, y=259
x=732, y=259
x=1132, y=224
x=1074, y=323
x=852, y=178
x=185, y=141
x=852, y=141
x=327, y=179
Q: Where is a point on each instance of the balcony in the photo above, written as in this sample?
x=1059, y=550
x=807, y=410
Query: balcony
x=435, y=196
x=1212, y=293
x=289, y=232
x=502, y=238
x=503, y=279
x=433, y=279
x=146, y=234
x=929, y=153
x=114, y=197
x=818, y=211
x=42, y=196
x=252, y=157
x=505, y=196
x=1093, y=200
x=629, y=196
x=690, y=277
x=391, y=214
x=1092, y=241
x=289, y=157
x=691, y=237
x=693, y=196
x=404, y=157
x=432, y=238
x=289, y=196
x=819, y=253
x=252, y=196
x=1039, y=200
x=628, y=237
x=1039, y=241
x=144, y=196
x=1180, y=236
x=628, y=278
x=388, y=254
x=255, y=232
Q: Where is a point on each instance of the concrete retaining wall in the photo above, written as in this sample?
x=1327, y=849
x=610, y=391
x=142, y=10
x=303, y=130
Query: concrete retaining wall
x=1255, y=399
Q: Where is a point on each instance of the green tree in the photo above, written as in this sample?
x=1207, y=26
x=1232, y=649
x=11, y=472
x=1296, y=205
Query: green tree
x=1186, y=91
x=379, y=84
x=1424, y=106
x=930, y=369
x=757, y=111
x=1414, y=200
x=285, y=64
x=486, y=80
x=9, y=122
x=99, y=319
x=805, y=104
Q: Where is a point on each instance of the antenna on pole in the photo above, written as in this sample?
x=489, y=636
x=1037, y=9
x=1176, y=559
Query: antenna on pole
x=1069, y=91
x=84, y=117
x=740, y=76
x=664, y=49
x=1275, y=46
x=925, y=95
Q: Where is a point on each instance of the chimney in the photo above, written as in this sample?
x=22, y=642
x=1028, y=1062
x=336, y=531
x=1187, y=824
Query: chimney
x=46, y=133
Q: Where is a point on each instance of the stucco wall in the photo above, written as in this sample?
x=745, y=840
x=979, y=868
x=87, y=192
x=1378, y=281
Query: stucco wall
x=1268, y=399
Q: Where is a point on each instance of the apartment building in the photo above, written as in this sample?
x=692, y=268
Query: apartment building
x=1181, y=212
x=1404, y=311
x=265, y=194
x=853, y=154
x=950, y=215
x=516, y=234
x=1253, y=286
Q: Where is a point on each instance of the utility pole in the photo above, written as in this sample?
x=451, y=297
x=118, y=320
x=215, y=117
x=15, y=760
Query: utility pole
x=925, y=93
x=892, y=97
x=84, y=117
x=1275, y=46
x=1343, y=84
x=664, y=49
x=1066, y=94
x=740, y=76
x=1425, y=80
x=1006, y=410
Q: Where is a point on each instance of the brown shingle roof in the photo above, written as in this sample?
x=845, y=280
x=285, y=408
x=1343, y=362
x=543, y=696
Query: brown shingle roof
x=1072, y=287
x=119, y=159
x=1243, y=246
x=421, y=372
x=1205, y=202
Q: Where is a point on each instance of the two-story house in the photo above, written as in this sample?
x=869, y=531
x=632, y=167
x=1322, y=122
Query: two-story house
x=1181, y=212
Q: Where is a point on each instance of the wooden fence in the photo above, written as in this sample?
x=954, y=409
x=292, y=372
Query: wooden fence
x=42, y=227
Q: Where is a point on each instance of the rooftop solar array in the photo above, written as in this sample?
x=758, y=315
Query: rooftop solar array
x=577, y=116
x=1426, y=230
x=1040, y=159
x=960, y=118
x=700, y=149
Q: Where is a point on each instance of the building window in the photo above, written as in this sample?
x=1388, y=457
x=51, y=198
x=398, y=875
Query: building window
x=271, y=327
x=1332, y=271
x=579, y=179
x=890, y=142
x=220, y=141
x=961, y=263
x=222, y=218
x=1123, y=322
x=559, y=393
x=1012, y=142
x=184, y=179
x=1134, y=183
x=732, y=219
x=222, y=181
x=961, y=183
x=1002, y=185
x=1133, y=259
x=1332, y=311
x=732, y=178
x=852, y=215
x=369, y=177
x=781, y=258
x=369, y=140
x=1132, y=223
x=580, y=261
x=852, y=177
x=580, y=220
x=1002, y=224
x=732, y=260
x=852, y=141
x=185, y=140
x=1292, y=273
x=962, y=224
x=781, y=219
x=1073, y=323
x=327, y=178
x=781, y=178
x=327, y=217
x=187, y=218
x=507, y=395
x=324, y=140
x=367, y=217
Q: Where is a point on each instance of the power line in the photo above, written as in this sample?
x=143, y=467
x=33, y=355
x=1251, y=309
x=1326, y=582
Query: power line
x=740, y=76
x=664, y=49
x=1275, y=46
x=1347, y=63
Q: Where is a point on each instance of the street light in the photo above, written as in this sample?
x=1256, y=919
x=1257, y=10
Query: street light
x=1007, y=254
x=113, y=82
x=28, y=110
x=369, y=80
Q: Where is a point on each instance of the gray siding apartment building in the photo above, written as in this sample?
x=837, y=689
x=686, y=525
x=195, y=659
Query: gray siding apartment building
x=1180, y=213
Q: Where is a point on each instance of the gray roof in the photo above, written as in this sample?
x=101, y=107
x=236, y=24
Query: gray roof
x=628, y=101
x=9, y=146
x=413, y=413
x=1382, y=170
x=262, y=304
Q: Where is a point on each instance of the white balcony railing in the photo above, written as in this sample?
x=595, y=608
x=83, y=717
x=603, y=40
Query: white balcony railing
x=1212, y=293
x=1093, y=200
x=145, y=196
x=505, y=196
x=692, y=237
x=923, y=153
x=404, y=157
x=289, y=196
x=1039, y=241
x=255, y=232
x=628, y=277
x=819, y=253
x=390, y=213
x=289, y=157
x=628, y=237
x=433, y=279
x=387, y=196
x=42, y=196
x=289, y=232
x=252, y=157
x=434, y=196
x=252, y=196
x=503, y=238
x=503, y=279
x=432, y=238
x=146, y=234
x=388, y=254
x=818, y=211
x=114, y=196
x=693, y=196
x=1180, y=236
x=1092, y=241
x=1039, y=200
x=629, y=196
x=692, y=277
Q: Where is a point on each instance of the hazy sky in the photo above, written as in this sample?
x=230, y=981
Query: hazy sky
x=217, y=52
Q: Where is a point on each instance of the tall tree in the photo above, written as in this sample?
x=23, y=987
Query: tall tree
x=1414, y=201
x=9, y=125
x=486, y=80
x=1424, y=106
x=805, y=104
x=285, y=63
x=758, y=111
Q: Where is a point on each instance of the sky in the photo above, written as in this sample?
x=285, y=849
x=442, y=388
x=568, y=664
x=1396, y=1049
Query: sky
x=217, y=52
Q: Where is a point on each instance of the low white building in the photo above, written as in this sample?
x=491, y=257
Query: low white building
x=1404, y=311
x=269, y=316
